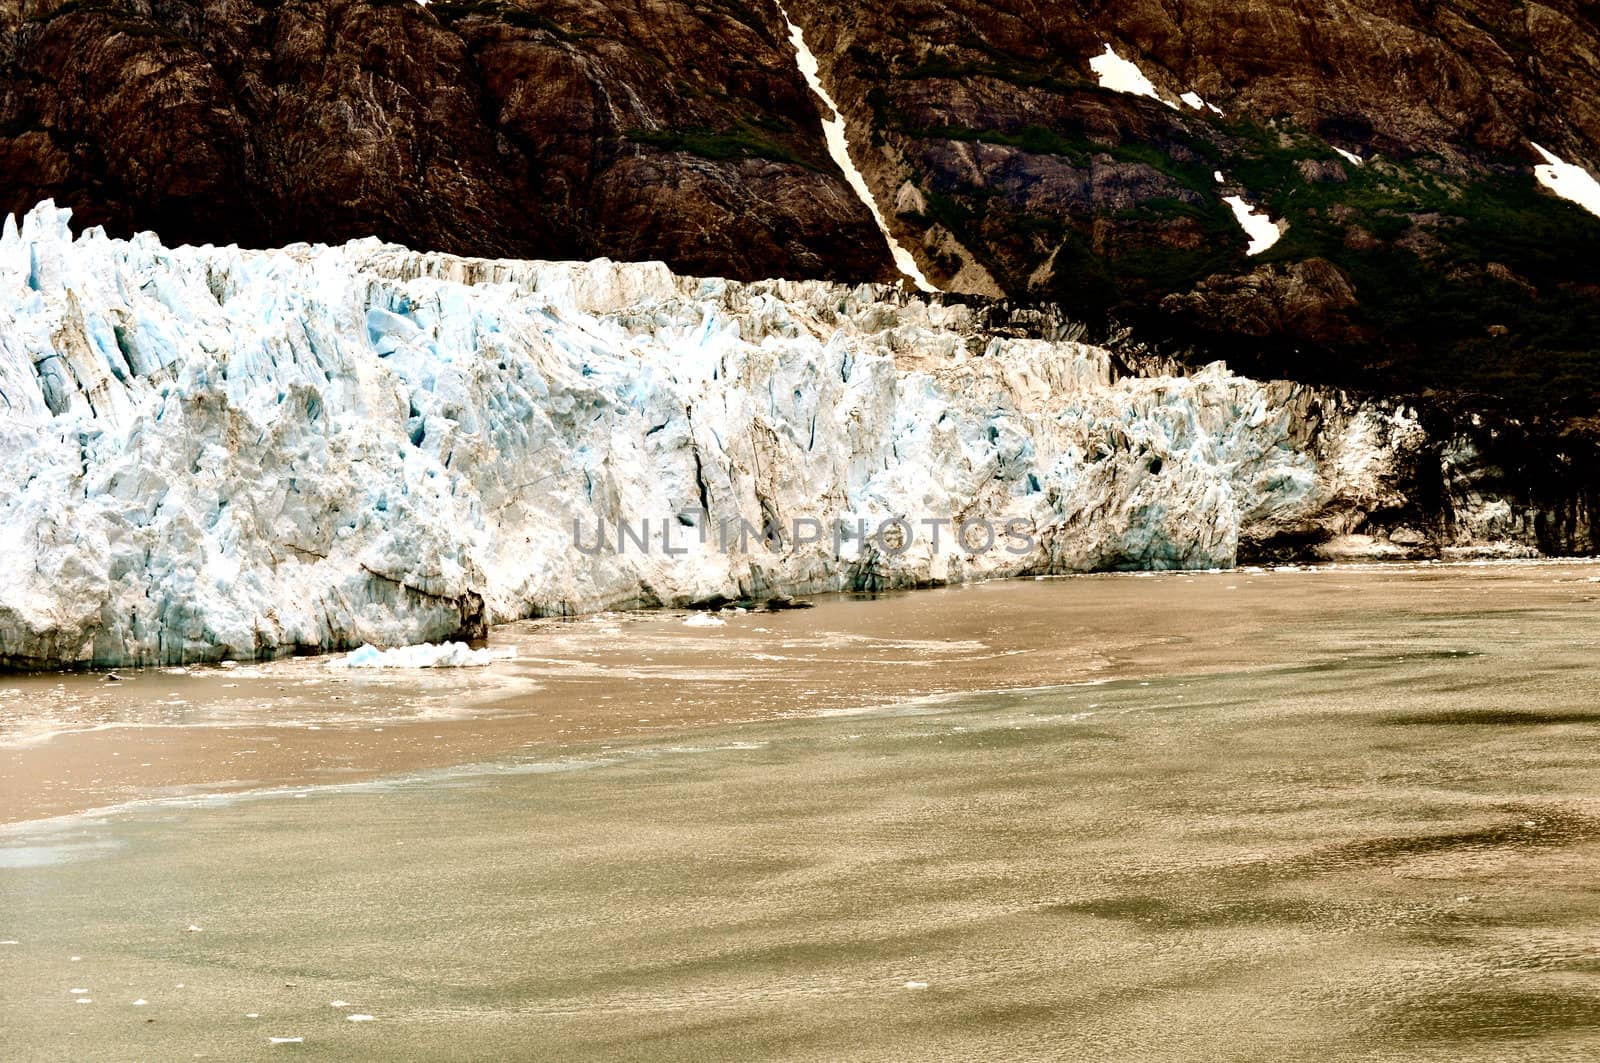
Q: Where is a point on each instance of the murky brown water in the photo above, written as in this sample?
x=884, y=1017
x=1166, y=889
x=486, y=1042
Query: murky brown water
x=1347, y=814
x=77, y=742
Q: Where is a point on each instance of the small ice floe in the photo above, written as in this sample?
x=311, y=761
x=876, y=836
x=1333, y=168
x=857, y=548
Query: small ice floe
x=252, y=1015
x=10, y=941
x=1350, y=156
x=425, y=655
x=703, y=620
x=74, y=959
x=192, y=929
x=141, y=1002
x=1123, y=75
x=358, y=1018
x=338, y=1003
x=1262, y=230
x=85, y=1000
x=1572, y=183
x=915, y=985
x=77, y=992
x=285, y=1040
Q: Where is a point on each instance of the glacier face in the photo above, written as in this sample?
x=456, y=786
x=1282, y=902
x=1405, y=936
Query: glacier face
x=222, y=453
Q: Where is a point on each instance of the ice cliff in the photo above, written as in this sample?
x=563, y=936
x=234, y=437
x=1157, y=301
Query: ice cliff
x=214, y=453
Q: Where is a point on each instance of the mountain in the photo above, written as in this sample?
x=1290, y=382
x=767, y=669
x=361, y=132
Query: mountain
x=1392, y=145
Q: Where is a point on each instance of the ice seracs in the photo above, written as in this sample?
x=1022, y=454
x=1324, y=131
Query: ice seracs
x=1572, y=183
x=215, y=453
x=833, y=133
x=1262, y=230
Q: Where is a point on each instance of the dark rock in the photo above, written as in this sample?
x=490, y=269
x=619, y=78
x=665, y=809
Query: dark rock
x=784, y=601
x=640, y=129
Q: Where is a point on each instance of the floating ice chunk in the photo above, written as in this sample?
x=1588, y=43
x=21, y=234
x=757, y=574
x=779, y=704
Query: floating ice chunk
x=425, y=655
x=1123, y=75
x=358, y=1018
x=916, y=985
x=78, y=992
x=703, y=620
x=833, y=132
x=141, y=1002
x=286, y=1040
x=1349, y=155
x=1572, y=183
x=85, y=1000
x=192, y=929
x=1262, y=230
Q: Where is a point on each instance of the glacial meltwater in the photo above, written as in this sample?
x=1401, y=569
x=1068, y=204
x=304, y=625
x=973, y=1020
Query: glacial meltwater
x=1341, y=813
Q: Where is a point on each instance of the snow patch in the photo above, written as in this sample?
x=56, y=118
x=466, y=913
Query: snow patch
x=704, y=620
x=1350, y=156
x=1262, y=230
x=833, y=132
x=1572, y=183
x=1193, y=100
x=1123, y=75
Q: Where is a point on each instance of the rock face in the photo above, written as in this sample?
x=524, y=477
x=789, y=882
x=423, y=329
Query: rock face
x=223, y=453
x=640, y=129
x=1393, y=141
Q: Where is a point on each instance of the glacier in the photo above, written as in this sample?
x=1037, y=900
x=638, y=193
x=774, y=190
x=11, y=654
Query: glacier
x=215, y=453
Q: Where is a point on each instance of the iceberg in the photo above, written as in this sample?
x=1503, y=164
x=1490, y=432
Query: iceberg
x=426, y=655
x=215, y=453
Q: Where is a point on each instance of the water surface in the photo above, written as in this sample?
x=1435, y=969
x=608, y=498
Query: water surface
x=1289, y=815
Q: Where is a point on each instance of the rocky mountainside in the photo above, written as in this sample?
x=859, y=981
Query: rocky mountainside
x=1097, y=155
x=639, y=129
x=222, y=453
x=1393, y=142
